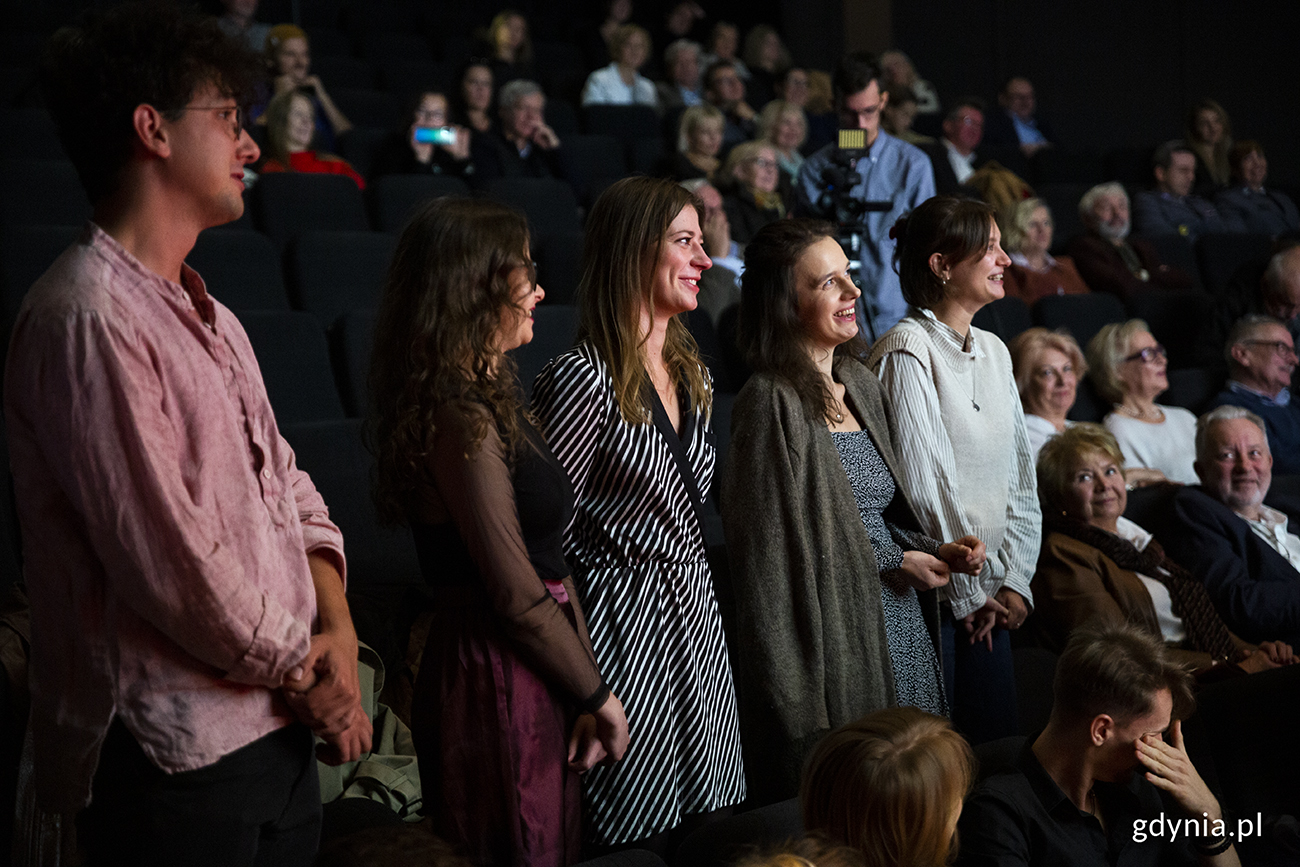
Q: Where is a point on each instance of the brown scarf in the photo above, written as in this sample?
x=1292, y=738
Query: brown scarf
x=1206, y=631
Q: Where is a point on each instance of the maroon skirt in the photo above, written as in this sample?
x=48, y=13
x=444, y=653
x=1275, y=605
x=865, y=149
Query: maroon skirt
x=493, y=744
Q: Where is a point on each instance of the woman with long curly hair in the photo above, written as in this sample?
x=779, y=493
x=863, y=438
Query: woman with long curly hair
x=627, y=413
x=509, y=703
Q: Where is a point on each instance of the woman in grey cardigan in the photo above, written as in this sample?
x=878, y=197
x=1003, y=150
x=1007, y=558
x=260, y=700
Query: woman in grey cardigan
x=835, y=610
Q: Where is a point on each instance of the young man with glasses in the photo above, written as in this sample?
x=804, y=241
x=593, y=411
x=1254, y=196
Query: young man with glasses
x=189, y=625
x=1261, y=361
x=891, y=171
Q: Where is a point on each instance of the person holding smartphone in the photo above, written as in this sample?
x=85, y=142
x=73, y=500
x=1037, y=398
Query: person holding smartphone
x=426, y=143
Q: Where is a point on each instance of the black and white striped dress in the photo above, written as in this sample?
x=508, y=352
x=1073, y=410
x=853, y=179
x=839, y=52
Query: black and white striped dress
x=638, y=560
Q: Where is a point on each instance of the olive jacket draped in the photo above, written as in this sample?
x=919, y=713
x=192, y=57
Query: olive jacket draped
x=810, y=641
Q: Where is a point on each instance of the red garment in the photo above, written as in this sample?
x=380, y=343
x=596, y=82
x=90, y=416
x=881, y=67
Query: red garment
x=309, y=161
x=1029, y=285
x=165, y=523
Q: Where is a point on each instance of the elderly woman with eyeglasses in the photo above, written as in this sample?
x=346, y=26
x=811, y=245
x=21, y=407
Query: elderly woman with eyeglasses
x=750, y=182
x=1128, y=368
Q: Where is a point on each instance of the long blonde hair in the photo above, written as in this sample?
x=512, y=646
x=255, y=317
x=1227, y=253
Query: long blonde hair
x=625, y=236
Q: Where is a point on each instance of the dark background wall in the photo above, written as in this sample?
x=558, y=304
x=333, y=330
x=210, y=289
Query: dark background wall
x=1112, y=73
x=1109, y=73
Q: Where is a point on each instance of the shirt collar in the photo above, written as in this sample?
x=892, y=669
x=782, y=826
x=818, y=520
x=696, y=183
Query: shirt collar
x=1282, y=398
x=950, y=335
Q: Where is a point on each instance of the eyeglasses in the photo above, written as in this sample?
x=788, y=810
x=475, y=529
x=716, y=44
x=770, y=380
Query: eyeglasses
x=233, y=114
x=1150, y=354
x=764, y=163
x=1281, y=347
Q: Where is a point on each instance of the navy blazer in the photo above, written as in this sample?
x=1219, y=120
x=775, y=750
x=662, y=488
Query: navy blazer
x=1000, y=129
x=1255, y=589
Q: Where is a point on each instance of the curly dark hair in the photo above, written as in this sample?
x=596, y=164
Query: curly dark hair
x=769, y=330
x=95, y=73
x=437, y=338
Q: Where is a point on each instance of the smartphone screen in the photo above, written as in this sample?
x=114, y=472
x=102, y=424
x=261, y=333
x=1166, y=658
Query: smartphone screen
x=441, y=135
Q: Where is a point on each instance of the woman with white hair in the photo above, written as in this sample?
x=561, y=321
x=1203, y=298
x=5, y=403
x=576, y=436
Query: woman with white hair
x=621, y=83
x=1128, y=368
x=783, y=125
x=1034, y=272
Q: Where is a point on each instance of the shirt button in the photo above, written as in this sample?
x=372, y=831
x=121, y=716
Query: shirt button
x=266, y=474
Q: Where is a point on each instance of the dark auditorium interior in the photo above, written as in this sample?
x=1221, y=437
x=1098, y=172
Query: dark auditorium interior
x=304, y=267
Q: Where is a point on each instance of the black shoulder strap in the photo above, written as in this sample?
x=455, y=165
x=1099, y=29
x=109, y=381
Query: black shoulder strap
x=665, y=427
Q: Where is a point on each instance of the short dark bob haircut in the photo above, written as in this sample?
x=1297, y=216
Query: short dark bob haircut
x=955, y=228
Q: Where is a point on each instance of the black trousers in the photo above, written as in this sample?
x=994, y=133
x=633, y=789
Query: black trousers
x=259, y=805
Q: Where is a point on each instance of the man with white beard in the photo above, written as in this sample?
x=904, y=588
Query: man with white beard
x=1107, y=258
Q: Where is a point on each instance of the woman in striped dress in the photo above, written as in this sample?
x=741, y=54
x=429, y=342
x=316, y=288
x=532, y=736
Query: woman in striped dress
x=626, y=413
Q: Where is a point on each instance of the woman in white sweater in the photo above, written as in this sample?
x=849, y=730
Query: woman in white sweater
x=621, y=83
x=967, y=467
x=1129, y=369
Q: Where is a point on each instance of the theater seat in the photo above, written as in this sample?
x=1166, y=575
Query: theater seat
x=1005, y=317
x=41, y=193
x=1081, y=315
x=295, y=362
x=1220, y=254
x=241, y=269
x=287, y=203
x=393, y=198
x=352, y=344
x=554, y=327
x=331, y=273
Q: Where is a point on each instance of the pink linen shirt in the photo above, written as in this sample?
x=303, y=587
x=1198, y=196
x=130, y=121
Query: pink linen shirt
x=165, y=522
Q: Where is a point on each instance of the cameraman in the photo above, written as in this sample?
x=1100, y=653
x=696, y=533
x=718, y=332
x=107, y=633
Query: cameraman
x=890, y=170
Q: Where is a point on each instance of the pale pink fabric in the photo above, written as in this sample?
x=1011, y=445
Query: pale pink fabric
x=165, y=523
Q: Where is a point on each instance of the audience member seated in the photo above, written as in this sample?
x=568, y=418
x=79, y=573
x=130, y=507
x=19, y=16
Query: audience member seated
x=1015, y=121
x=1034, y=272
x=1276, y=293
x=595, y=38
x=953, y=155
x=1261, y=359
x=288, y=55
x=724, y=44
x=896, y=68
x=1107, y=258
x=621, y=83
x=682, y=64
x=767, y=59
x=783, y=125
x=473, y=98
x=525, y=147
x=1096, y=565
x=891, y=786
x=1209, y=135
x=510, y=47
x=290, y=128
x=725, y=90
x=1085, y=790
x=1244, y=552
x=899, y=113
x=1260, y=210
x=238, y=20
x=1047, y=366
x=792, y=86
x=1127, y=366
x=750, y=180
x=403, y=153
x=812, y=89
x=719, y=285
x=699, y=138
x=811, y=850
x=1171, y=208
x=680, y=20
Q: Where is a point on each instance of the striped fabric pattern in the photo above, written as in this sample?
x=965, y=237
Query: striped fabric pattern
x=638, y=560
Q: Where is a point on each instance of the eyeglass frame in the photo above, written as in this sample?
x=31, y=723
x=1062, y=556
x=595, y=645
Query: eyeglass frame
x=237, y=126
x=1280, y=347
x=1149, y=354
